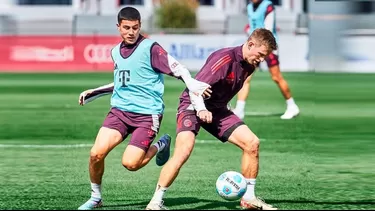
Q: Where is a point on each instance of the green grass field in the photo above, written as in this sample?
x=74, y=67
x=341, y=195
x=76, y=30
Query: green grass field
x=324, y=159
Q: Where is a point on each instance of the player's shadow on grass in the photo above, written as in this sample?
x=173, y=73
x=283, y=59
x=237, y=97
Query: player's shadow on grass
x=179, y=201
x=206, y=204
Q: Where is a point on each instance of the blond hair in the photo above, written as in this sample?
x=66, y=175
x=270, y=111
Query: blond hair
x=265, y=37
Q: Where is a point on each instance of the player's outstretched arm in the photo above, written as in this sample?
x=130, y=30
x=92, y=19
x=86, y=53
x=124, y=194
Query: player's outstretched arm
x=92, y=94
x=163, y=62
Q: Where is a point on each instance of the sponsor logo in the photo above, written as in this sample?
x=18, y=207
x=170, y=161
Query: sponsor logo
x=98, y=53
x=190, y=51
x=174, y=65
x=230, y=77
x=41, y=54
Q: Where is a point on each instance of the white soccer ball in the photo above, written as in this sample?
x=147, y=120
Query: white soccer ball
x=231, y=185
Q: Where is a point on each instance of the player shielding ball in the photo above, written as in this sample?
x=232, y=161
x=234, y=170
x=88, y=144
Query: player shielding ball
x=137, y=102
x=225, y=71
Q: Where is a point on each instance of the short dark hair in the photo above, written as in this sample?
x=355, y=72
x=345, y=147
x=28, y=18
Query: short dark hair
x=128, y=13
x=264, y=37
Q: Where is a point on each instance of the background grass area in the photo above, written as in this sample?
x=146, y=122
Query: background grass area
x=323, y=159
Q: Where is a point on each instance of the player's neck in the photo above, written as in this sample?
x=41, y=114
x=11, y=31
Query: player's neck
x=243, y=50
x=257, y=4
x=129, y=45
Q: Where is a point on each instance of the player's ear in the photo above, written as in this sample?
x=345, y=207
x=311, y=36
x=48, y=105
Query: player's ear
x=250, y=44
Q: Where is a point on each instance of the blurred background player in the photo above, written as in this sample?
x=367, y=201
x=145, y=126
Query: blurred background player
x=137, y=102
x=225, y=71
x=261, y=14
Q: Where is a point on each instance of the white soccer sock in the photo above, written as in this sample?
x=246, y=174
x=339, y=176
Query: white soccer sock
x=240, y=105
x=96, y=191
x=159, y=193
x=290, y=102
x=159, y=145
x=250, y=192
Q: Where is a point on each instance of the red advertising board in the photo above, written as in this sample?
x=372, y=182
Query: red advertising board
x=56, y=53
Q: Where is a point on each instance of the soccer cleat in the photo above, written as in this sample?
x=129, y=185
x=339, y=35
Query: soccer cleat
x=154, y=205
x=290, y=112
x=256, y=204
x=91, y=204
x=240, y=114
x=163, y=156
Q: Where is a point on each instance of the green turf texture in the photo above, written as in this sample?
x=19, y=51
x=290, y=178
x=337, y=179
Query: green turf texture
x=323, y=159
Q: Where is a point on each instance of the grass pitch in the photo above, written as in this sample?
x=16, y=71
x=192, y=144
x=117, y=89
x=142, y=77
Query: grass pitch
x=324, y=159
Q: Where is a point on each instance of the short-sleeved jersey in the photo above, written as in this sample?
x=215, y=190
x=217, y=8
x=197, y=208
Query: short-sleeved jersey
x=225, y=70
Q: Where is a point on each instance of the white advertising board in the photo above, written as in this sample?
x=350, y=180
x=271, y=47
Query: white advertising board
x=193, y=50
x=358, y=54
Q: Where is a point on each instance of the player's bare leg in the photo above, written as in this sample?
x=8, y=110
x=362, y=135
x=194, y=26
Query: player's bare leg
x=135, y=158
x=245, y=139
x=241, y=99
x=106, y=140
x=292, y=109
x=183, y=147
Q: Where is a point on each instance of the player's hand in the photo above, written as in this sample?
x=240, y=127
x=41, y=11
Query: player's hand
x=205, y=116
x=83, y=95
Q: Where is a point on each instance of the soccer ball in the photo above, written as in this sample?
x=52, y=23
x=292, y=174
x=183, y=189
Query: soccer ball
x=231, y=185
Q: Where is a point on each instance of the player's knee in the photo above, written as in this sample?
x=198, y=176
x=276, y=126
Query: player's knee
x=96, y=156
x=130, y=165
x=252, y=146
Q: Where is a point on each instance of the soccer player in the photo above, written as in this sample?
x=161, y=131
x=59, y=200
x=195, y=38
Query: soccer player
x=261, y=14
x=225, y=71
x=137, y=102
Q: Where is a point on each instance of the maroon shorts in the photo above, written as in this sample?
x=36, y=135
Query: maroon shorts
x=143, y=127
x=224, y=122
x=272, y=59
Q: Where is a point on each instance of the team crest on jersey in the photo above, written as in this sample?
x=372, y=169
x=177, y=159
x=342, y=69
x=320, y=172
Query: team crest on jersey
x=187, y=123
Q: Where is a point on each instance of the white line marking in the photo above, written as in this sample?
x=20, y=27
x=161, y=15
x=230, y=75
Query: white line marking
x=44, y=146
x=57, y=146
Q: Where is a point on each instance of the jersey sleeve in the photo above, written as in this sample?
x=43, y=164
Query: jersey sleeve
x=160, y=60
x=270, y=9
x=269, y=19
